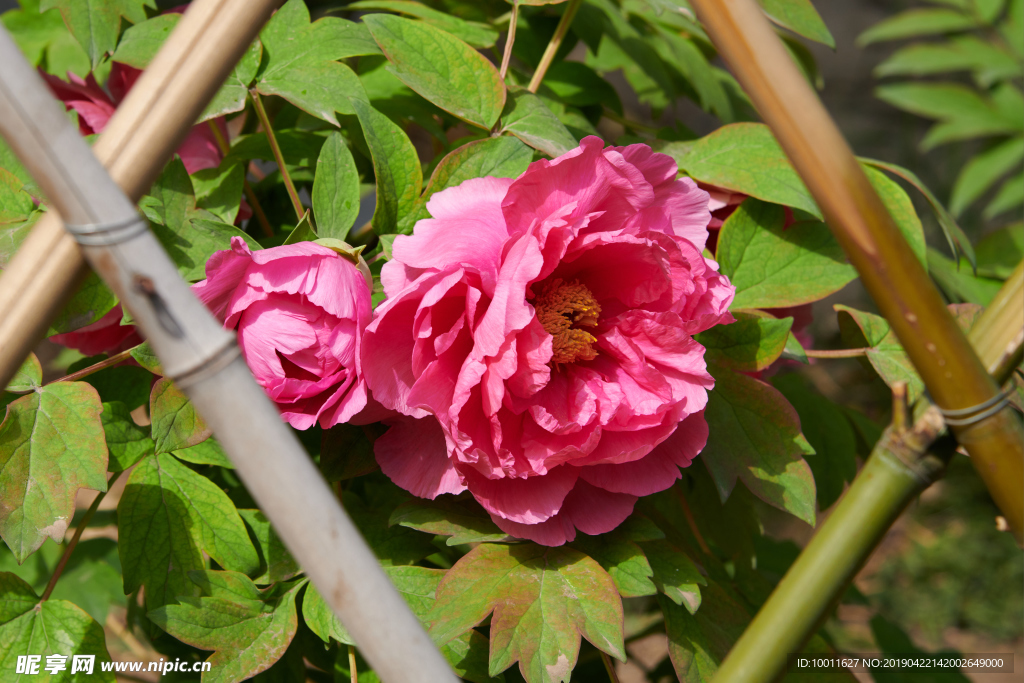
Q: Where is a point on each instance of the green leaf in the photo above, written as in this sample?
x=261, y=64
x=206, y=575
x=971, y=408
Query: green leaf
x=299, y=147
x=15, y=203
x=144, y=356
x=624, y=561
x=957, y=282
x=755, y=437
x=528, y=118
x=231, y=96
x=56, y=627
x=695, y=67
x=125, y=383
x=335, y=189
x=772, y=265
x=675, y=574
x=89, y=303
x=208, y=452
x=1010, y=195
x=963, y=113
x=45, y=41
x=999, y=252
x=834, y=462
x=902, y=211
x=543, y=600
x=29, y=376
x=745, y=157
x=417, y=585
x=301, y=65
x=127, y=442
x=167, y=517
x=276, y=563
x=800, y=17
x=176, y=424
x=958, y=241
x=303, y=231
x=886, y=355
x=346, y=452
x=140, y=42
x=476, y=34
x=440, y=67
x=501, y=157
x=461, y=519
x=92, y=579
x=392, y=545
x=184, y=230
x=219, y=190
x=16, y=597
x=983, y=170
x=698, y=643
x=989, y=61
x=750, y=344
x=247, y=630
x=917, y=22
x=51, y=445
x=579, y=85
x=396, y=166
x=95, y=24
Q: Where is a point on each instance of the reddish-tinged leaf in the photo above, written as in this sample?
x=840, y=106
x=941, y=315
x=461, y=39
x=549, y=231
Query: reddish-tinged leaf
x=543, y=600
x=51, y=445
x=176, y=424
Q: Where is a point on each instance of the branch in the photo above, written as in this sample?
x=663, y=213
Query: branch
x=556, y=42
x=261, y=113
x=86, y=518
x=257, y=209
x=116, y=359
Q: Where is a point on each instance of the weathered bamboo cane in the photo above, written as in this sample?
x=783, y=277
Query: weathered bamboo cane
x=890, y=271
x=204, y=361
x=899, y=468
x=139, y=139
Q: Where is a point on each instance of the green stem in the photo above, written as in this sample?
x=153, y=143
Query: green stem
x=510, y=39
x=353, y=673
x=116, y=359
x=250, y=194
x=86, y=518
x=261, y=113
x=894, y=474
x=609, y=666
x=554, y=44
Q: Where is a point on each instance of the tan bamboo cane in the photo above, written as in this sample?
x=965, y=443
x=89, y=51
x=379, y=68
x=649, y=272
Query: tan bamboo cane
x=204, y=361
x=139, y=139
x=899, y=284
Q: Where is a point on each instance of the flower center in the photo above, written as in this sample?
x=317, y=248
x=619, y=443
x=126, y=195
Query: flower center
x=562, y=308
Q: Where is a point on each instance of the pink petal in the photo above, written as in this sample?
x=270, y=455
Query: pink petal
x=414, y=455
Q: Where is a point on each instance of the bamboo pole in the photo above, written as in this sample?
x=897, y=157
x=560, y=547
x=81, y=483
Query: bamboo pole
x=143, y=133
x=204, y=361
x=897, y=471
x=890, y=271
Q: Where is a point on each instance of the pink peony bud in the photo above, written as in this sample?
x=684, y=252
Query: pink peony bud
x=538, y=341
x=300, y=311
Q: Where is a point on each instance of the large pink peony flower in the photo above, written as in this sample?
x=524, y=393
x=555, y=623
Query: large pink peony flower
x=538, y=341
x=300, y=311
x=94, y=106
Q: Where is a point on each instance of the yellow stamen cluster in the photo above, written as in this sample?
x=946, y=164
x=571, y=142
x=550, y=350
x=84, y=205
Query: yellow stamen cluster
x=562, y=308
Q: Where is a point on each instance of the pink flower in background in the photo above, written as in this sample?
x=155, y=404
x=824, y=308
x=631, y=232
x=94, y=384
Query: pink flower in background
x=95, y=107
x=300, y=311
x=537, y=340
x=106, y=335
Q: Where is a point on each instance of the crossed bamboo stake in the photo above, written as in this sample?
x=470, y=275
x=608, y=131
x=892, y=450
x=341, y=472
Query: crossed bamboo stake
x=195, y=351
x=960, y=378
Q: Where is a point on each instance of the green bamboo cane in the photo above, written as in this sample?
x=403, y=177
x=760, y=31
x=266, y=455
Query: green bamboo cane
x=889, y=270
x=897, y=471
